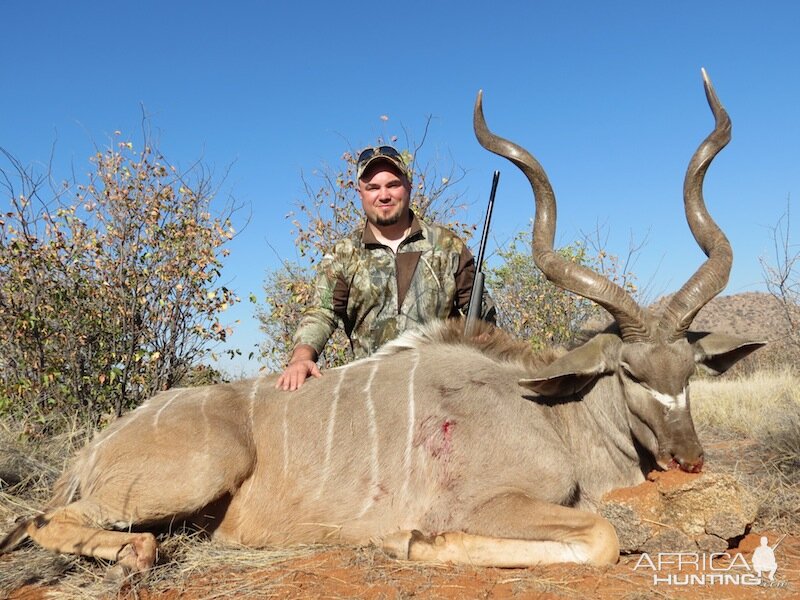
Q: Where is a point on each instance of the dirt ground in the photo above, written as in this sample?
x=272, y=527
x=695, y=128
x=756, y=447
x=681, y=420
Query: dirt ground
x=337, y=572
x=343, y=574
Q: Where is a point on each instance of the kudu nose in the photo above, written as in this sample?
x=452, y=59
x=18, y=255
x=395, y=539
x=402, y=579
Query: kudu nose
x=693, y=466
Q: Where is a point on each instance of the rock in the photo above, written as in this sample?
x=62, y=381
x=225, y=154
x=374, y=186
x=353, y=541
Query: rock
x=675, y=511
x=669, y=540
x=711, y=544
x=629, y=527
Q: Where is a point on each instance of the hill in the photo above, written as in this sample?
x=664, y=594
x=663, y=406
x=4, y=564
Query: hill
x=753, y=315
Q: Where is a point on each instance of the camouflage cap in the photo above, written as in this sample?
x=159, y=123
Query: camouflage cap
x=385, y=153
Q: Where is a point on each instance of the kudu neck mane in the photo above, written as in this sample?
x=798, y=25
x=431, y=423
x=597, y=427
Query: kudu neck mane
x=487, y=339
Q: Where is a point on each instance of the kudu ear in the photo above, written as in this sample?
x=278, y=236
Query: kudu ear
x=718, y=352
x=572, y=372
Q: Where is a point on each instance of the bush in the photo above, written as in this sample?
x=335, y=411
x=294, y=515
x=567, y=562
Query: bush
x=534, y=309
x=108, y=288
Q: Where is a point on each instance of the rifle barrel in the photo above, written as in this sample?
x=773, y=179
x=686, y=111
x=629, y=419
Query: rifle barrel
x=476, y=295
x=485, y=234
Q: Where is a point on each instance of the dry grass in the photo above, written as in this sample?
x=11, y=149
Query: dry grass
x=186, y=559
x=28, y=469
x=753, y=421
x=747, y=405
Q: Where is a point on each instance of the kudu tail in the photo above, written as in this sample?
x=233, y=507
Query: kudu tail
x=15, y=537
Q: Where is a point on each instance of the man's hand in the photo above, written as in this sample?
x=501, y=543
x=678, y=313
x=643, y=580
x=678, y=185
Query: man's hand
x=302, y=364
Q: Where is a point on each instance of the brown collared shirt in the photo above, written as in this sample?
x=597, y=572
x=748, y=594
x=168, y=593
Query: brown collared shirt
x=376, y=294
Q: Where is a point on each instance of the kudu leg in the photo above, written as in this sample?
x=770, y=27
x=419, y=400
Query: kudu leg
x=66, y=529
x=524, y=532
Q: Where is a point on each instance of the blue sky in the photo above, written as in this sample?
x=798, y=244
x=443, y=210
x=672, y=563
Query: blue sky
x=607, y=95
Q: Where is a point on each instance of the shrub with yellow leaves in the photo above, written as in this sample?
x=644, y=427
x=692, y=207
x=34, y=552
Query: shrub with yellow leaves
x=109, y=288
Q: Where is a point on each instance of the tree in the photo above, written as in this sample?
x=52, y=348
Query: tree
x=534, y=309
x=528, y=304
x=781, y=275
x=109, y=288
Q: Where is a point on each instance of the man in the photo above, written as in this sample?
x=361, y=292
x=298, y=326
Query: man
x=395, y=274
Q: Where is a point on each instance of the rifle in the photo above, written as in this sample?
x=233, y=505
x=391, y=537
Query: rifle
x=476, y=295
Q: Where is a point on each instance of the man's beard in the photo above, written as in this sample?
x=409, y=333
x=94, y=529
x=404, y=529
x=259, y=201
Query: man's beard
x=391, y=220
x=382, y=221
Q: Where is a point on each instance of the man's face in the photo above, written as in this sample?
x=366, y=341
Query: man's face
x=385, y=194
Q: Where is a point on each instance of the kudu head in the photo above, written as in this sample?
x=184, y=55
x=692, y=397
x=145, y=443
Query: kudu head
x=652, y=355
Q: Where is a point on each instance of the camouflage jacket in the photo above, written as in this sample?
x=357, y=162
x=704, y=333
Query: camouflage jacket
x=376, y=294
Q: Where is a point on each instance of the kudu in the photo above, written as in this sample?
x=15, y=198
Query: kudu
x=437, y=447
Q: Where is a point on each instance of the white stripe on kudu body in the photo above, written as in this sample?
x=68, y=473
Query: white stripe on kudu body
x=251, y=410
x=253, y=399
x=207, y=423
x=373, y=436
x=329, y=440
x=137, y=414
x=166, y=405
x=412, y=409
x=285, y=430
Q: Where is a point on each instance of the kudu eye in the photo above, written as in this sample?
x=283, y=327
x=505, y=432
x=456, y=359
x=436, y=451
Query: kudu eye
x=633, y=377
x=626, y=369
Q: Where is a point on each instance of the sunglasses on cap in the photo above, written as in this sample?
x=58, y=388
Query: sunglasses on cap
x=386, y=151
x=369, y=155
